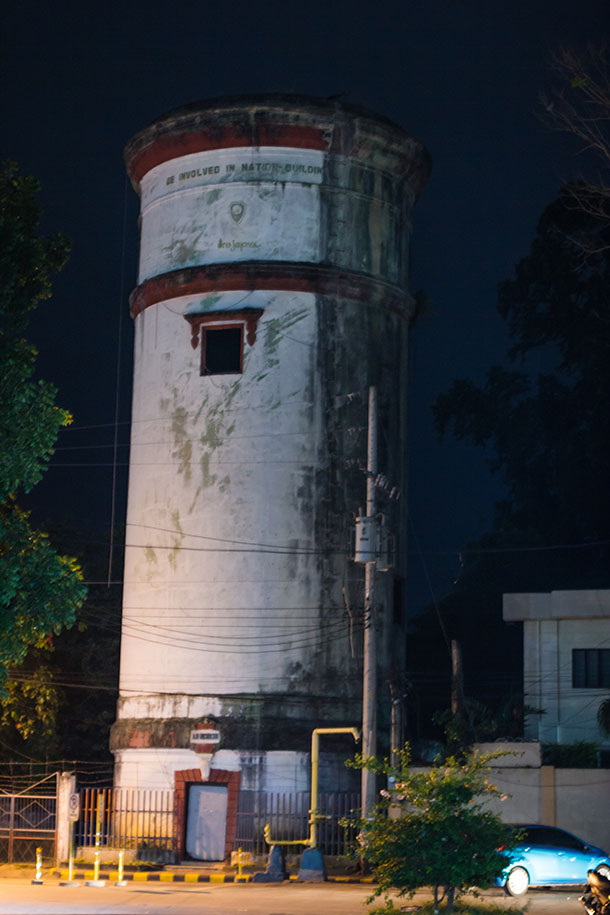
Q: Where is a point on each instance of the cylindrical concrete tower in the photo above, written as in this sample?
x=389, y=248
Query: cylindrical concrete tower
x=272, y=292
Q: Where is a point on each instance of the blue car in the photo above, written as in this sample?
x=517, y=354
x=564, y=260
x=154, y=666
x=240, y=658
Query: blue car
x=551, y=857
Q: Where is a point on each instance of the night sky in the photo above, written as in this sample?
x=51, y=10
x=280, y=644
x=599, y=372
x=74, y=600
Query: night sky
x=79, y=79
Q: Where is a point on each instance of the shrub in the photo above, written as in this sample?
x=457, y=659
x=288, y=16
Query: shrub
x=430, y=828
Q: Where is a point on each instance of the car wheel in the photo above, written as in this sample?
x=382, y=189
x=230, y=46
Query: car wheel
x=603, y=870
x=517, y=882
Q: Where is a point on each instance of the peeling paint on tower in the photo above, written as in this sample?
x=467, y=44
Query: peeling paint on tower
x=272, y=292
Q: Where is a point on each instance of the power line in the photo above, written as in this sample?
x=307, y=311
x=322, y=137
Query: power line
x=284, y=647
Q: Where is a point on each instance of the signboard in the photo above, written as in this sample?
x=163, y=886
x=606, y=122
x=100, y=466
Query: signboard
x=245, y=858
x=74, y=807
x=205, y=736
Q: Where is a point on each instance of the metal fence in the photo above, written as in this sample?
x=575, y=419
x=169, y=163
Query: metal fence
x=288, y=816
x=27, y=822
x=126, y=818
x=144, y=820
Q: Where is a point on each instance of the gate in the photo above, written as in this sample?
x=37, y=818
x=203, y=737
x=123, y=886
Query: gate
x=206, y=823
x=28, y=822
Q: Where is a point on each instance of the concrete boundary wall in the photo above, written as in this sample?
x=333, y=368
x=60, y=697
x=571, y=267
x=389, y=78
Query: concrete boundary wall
x=582, y=803
x=572, y=799
x=577, y=800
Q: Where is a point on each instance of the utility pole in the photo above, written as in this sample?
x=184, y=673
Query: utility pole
x=369, y=677
x=457, y=679
x=396, y=723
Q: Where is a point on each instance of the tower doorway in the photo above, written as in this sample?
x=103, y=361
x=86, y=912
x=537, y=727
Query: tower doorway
x=206, y=822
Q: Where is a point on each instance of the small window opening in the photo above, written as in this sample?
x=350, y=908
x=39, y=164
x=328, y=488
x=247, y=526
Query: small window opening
x=591, y=668
x=221, y=350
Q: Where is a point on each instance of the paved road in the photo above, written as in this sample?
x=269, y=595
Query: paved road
x=19, y=897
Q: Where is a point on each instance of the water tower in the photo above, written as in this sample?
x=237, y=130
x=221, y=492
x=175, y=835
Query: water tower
x=272, y=293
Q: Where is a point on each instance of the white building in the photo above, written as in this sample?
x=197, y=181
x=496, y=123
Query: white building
x=566, y=661
x=272, y=292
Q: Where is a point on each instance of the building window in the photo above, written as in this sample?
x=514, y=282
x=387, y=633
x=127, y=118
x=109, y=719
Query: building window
x=222, y=350
x=590, y=668
x=221, y=335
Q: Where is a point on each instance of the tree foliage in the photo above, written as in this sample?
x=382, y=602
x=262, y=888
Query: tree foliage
x=432, y=828
x=478, y=722
x=540, y=417
x=541, y=420
x=546, y=433
x=28, y=715
x=579, y=105
x=39, y=589
x=60, y=702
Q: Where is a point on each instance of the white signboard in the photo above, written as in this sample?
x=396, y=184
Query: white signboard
x=205, y=736
x=73, y=807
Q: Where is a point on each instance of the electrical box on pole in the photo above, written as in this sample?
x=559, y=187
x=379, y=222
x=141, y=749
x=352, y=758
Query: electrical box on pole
x=366, y=539
x=374, y=543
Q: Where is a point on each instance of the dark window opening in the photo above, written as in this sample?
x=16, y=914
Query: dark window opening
x=590, y=668
x=221, y=350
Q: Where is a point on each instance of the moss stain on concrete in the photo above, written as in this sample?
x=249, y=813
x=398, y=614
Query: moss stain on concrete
x=275, y=328
x=179, y=252
x=183, y=447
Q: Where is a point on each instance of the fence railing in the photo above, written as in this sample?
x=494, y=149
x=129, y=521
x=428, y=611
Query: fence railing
x=144, y=820
x=288, y=816
x=128, y=818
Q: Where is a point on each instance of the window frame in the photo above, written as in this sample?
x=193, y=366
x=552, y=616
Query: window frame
x=205, y=330
x=590, y=668
x=244, y=319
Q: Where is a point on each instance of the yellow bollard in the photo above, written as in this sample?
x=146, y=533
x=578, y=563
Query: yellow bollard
x=239, y=863
x=121, y=881
x=98, y=842
x=38, y=875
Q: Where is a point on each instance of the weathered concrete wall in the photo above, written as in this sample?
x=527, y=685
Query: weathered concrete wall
x=241, y=602
x=554, y=624
x=571, y=799
x=581, y=797
x=272, y=204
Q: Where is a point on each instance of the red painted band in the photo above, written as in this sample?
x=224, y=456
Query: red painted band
x=171, y=146
x=279, y=276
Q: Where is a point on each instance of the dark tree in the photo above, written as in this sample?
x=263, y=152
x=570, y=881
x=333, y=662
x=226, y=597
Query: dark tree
x=40, y=590
x=60, y=701
x=545, y=435
x=579, y=104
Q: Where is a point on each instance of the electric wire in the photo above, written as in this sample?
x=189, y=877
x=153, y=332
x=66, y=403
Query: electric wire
x=214, y=637
x=236, y=649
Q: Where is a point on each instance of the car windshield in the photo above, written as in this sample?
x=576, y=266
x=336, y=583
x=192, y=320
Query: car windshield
x=551, y=838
